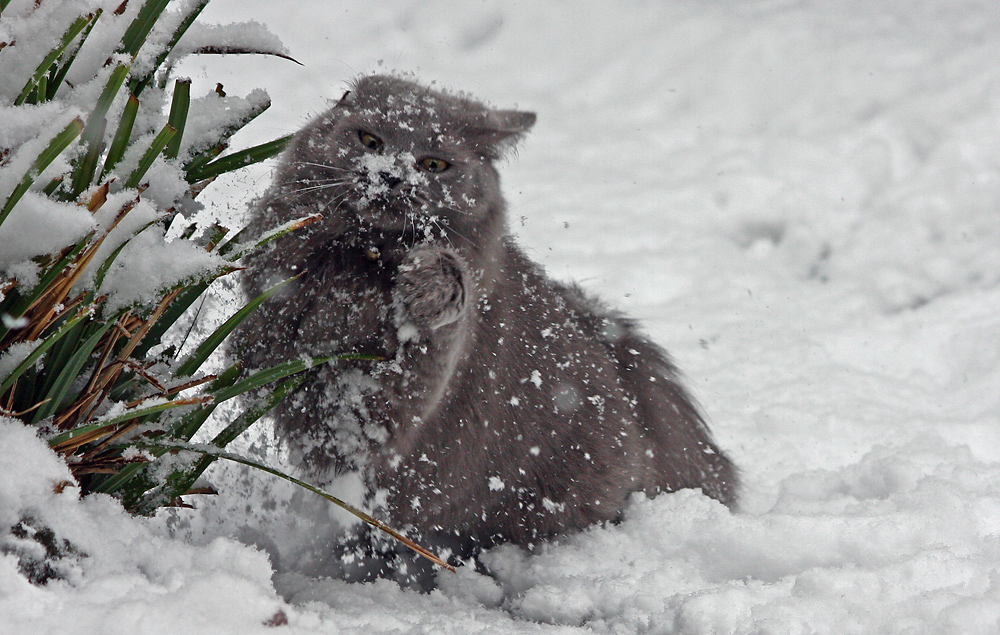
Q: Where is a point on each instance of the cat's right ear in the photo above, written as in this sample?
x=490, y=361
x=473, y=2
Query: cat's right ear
x=503, y=129
x=344, y=100
x=515, y=122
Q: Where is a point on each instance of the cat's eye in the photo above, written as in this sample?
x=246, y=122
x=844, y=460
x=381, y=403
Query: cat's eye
x=433, y=165
x=369, y=140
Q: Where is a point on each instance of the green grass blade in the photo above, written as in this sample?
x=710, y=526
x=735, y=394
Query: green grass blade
x=24, y=301
x=140, y=27
x=238, y=160
x=190, y=423
x=139, y=84
x=234, y=250
x=43, y=68
x=60, y=74
x=203, y=159
x=56, y=146
x=180, y=482
x=159, y=143
x=46, y=343
x=57, y=357
x=83, y=172
x=41, y=89
x=93, y=132
x=169, y=317
x=109, y=421
x=179, y=107
x=366, y=518
x=258, y=409
x=234, y=241
x=218, y=144
x=68, y=373
x=120, y=142
x=107, y=97
x=115, y=482
x=212, y=342
x=268, y=375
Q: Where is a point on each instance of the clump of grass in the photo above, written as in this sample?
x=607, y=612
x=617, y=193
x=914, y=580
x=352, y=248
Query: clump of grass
x=80, y=350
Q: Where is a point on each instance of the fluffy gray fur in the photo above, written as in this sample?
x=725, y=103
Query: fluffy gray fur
x=510, y=408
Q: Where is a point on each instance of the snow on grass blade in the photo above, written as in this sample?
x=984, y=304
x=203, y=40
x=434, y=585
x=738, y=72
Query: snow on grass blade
x=56, y=146
x=140, y=27
x=46, y=64
x=178, y=115
x=43, y=346
x=102, y=271
x=93, y=132
x=105, y=425
x=240, y=159
x=234, y=251
x=139, y=84
x=221, y=141
x=155, y=148
x=60, y=74
x=120, y=142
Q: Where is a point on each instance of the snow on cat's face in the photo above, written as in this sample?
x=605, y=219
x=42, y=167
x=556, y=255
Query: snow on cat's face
x=397, y=156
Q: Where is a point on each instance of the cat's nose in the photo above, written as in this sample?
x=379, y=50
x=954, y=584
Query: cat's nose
x=390, y=179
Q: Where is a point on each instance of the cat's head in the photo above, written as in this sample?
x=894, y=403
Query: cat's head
x=397, y=156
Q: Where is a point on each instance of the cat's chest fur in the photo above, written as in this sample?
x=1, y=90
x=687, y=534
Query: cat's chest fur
x=347, y=302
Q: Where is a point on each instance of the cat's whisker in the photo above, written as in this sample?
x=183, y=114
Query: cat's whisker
x=339, y=200
x=298, y=183
x=339, y=179
x=428, y=205
x=447, y=231
x=457, y=211
x=324, y=166
x=444, y=233
x=304, y=187
x=323, y=186
x=406, y=217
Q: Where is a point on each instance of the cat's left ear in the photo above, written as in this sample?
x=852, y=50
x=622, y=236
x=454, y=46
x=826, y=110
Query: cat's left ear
x=503, y=129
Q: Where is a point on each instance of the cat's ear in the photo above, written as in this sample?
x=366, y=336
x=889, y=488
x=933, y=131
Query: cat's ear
x=512, y=121
x=501, y=131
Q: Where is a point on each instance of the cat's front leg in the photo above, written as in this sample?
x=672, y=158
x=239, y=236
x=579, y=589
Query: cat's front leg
x=430, y=290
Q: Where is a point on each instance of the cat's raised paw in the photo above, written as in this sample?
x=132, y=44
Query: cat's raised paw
x=430, y=288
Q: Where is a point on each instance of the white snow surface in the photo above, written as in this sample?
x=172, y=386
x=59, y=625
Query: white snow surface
x=799, y=199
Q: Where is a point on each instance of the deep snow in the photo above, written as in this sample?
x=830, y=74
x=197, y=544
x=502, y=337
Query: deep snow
x=798, y=199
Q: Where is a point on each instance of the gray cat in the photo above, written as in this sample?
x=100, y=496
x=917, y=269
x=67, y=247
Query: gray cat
x=509, y=407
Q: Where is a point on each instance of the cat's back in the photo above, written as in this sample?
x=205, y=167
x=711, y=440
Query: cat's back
x=558, y=411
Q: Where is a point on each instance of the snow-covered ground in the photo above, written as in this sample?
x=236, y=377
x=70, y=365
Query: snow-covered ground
x=799, y=199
